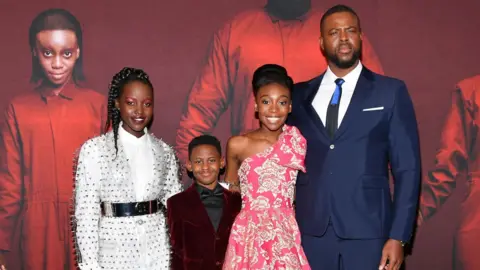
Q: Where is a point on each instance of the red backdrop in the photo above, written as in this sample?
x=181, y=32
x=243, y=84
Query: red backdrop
x=430, y=44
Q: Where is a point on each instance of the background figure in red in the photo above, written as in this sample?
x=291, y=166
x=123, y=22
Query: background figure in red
x=285, y=32
x=457, y=161
x=41, y=132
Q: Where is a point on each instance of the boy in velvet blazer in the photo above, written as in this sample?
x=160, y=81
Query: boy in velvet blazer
x=200, y=218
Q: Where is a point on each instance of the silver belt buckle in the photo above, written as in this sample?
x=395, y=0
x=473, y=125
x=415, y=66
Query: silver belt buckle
x=108, y=209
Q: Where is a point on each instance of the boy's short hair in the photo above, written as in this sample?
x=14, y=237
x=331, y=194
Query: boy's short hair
x=204, y=140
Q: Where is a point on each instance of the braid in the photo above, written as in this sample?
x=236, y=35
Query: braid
x=119, y=80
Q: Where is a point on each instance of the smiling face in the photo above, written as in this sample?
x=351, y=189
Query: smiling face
x=57, y=52
x=136, y=107
x=273, y=104
x=205, y=163
x=341, y=39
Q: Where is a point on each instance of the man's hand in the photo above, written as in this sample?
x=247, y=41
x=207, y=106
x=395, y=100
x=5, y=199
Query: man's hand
x=393, y=252
x=3, y=264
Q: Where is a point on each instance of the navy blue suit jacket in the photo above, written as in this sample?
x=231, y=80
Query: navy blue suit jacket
x=347, y=176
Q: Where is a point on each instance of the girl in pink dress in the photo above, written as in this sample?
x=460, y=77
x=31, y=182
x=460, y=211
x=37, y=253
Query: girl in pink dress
x=263, y=166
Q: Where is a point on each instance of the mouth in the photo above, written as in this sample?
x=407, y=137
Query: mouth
x=139, y=120
x=345, y=49
x=273, y=119
x=56, y=75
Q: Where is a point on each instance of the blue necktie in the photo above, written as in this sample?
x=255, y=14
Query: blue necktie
x=332, y=111
x=338, y=91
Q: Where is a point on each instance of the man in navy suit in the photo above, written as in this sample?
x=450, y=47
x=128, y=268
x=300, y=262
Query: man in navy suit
x=358, y=125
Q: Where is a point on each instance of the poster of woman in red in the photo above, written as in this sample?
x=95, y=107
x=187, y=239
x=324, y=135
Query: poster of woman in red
x=457, y=163
x=284, y=33
x=201, y=55
x=42, y=130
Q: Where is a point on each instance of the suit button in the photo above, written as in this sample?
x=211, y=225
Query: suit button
x=332, y=146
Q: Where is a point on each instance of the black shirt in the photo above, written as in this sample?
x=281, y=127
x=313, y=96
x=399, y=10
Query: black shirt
x=213, y=202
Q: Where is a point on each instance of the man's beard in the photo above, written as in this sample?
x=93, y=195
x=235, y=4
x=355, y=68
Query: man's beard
x=344, y=64
x=288, y=9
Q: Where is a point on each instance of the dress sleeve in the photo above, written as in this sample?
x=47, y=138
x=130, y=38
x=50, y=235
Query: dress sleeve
x=87, y=207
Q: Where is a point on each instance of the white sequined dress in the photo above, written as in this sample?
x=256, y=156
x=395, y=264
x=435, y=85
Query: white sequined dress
x=145, y=169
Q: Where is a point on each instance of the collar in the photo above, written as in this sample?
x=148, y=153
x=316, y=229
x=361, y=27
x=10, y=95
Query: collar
x=126, y=137
x=203, y=190
x=68, y=91
x=301, y=18
x=350, y=78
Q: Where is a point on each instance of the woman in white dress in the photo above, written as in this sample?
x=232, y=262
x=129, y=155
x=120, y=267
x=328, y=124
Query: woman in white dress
x=123, y=180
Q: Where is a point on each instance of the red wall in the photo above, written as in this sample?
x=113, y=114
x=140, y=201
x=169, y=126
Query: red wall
x=430, y=44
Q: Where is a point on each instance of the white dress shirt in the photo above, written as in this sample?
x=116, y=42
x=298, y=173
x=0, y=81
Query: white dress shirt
x=327, y=87
x=140, y=159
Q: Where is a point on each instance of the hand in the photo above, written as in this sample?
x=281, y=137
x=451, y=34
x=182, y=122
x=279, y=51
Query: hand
x=234, y=188
x=3, y=264
x=393, y=252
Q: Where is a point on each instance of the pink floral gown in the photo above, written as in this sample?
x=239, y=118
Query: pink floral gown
x=265, y=234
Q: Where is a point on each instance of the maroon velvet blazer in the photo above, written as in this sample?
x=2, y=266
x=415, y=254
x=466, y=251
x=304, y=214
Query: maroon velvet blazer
x=195, y=243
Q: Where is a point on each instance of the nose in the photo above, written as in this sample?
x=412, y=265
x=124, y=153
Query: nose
x=57, y=62
x=343, y=35
x=204, y=166
x=273, y=108
x=139, y=110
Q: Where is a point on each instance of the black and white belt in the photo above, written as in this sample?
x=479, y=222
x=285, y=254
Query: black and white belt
x=131, y=209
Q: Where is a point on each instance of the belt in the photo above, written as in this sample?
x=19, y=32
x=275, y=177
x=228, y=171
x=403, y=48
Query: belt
x=131, y=209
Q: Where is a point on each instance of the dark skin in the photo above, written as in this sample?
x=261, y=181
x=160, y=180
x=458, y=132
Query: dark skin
x=273, y=104
x=205, y=163
x=57, y=52
x=341, y=38
x=136, y=107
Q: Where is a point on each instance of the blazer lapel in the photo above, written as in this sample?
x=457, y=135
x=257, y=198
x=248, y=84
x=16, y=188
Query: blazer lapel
x=226, y=213
x=312, y=114
x=198, y=209
x=361, y=93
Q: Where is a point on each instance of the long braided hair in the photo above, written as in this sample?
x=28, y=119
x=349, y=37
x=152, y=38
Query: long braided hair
x=125, y=76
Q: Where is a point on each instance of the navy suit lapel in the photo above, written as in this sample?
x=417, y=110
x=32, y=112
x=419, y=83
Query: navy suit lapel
x=312, y=114
x=360, y=94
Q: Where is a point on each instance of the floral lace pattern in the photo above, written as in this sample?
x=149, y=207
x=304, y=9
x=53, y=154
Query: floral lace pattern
x=265, y=234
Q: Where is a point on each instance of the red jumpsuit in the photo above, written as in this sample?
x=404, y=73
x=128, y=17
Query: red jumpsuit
x=457, y=161
x=40, y=136
x=245, y=43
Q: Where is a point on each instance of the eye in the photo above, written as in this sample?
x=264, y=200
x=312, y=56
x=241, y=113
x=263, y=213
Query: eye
x=130, y=103
x=284, y=103
x=47, y=53
x=198, y=161
x=148, y=104
x=265, y=102
x=212, y=160
x=68, y=54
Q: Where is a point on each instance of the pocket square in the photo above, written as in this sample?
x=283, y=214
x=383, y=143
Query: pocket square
x=373, y=109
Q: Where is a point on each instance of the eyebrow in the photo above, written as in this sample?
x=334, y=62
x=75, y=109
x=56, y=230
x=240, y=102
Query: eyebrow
x=279, y=96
